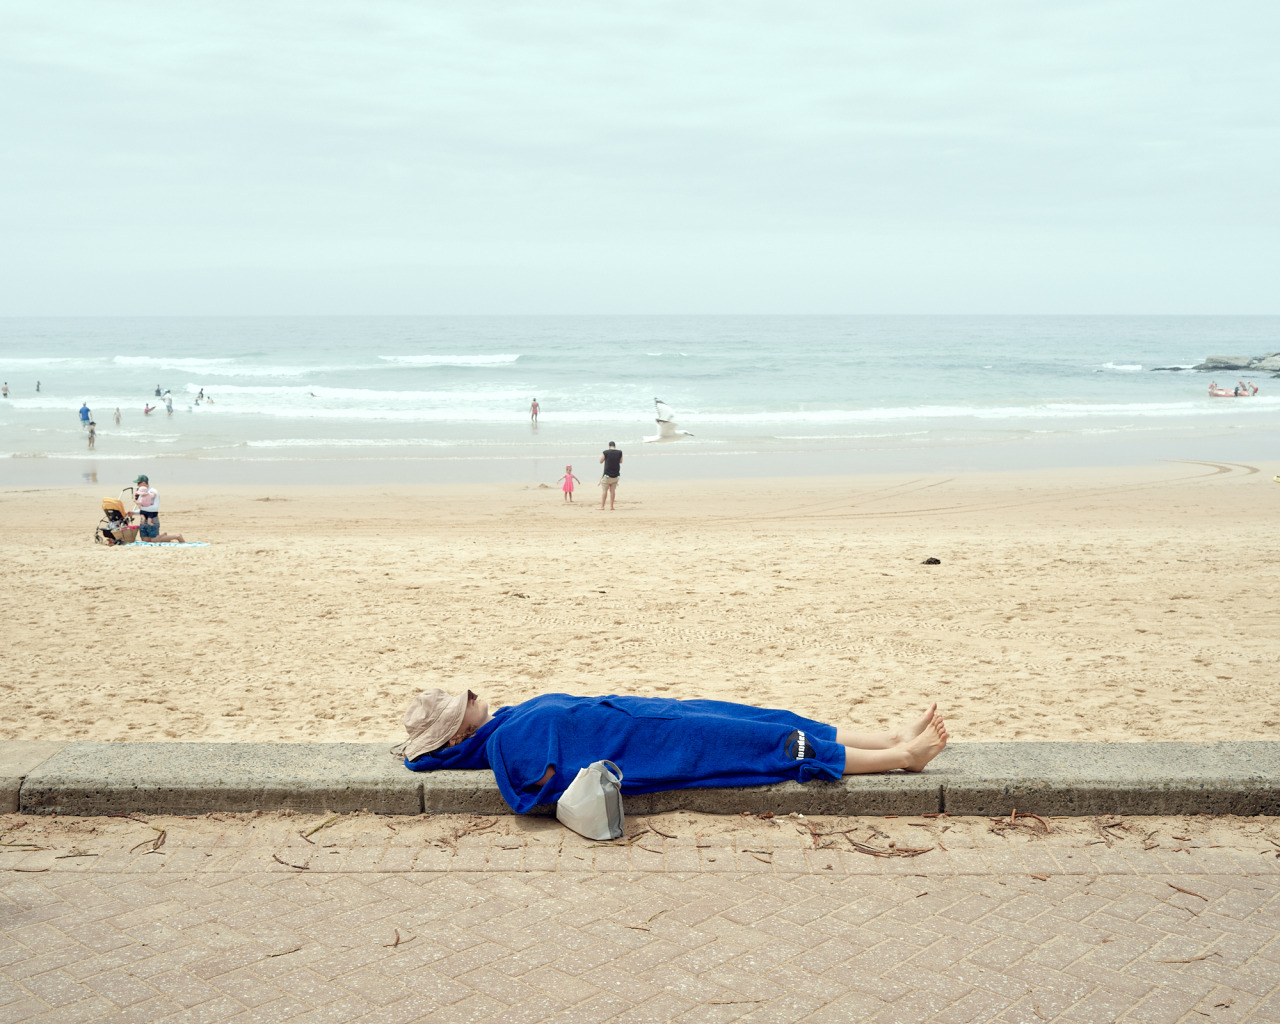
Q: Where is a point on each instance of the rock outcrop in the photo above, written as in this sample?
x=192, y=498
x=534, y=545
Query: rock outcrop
x=1270, y=363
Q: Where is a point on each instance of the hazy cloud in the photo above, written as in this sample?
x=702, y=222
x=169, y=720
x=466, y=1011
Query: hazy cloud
x=729, y=157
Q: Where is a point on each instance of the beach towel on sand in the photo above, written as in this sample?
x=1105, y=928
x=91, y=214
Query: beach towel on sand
x=657, y=743
x=172, y=544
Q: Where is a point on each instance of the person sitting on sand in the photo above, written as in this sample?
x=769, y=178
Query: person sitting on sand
x=161, y=538
x=536, y=748
x=147, y=498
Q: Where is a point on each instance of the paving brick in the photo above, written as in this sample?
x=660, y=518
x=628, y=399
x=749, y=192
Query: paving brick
x=567, y=988
x=183, y=988
x=621, y=985
x=158, y=1008
x=593, y=1011
x=531, y=1011
x=207, y=1012
x=337, y=1012
x=975, y=1007
x=230, y=960
x=471, y=1010
x=246, y=989
x=375, y=989
x=21, y=1009
x=405, y=1011
x=55, y=988
x=613, y=938
x=666, y=1006
x=704, y=958
x=528, y=959
x=24, y=964
x=1164, y=1006
x=120, y=988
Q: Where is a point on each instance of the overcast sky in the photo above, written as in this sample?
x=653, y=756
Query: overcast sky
x=618, y=157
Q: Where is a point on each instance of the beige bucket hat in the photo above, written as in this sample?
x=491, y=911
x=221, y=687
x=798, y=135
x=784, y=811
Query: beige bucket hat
x=432, y=719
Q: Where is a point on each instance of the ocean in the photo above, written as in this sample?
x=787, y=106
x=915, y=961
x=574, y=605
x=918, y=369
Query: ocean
x=447, y=398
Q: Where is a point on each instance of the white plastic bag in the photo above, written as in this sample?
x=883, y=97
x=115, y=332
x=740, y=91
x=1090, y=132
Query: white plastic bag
x=592, y=805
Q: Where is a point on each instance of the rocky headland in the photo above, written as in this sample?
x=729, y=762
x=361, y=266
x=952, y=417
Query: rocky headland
x=1270, y=363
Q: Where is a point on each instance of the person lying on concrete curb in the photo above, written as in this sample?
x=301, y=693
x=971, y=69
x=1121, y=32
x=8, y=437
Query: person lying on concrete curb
x=536, y=748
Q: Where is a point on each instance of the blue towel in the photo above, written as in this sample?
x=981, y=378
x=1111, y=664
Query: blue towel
x=658, y=744
x=166, y=544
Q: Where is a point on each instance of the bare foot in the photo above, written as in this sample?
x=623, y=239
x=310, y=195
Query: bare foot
x=925, y=747
x=906, y=733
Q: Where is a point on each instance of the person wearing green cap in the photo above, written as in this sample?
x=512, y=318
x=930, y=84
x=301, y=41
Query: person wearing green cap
x=147, y=498
x=148, y=501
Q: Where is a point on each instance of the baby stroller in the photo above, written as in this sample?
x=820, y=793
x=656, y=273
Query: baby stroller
x=116, y=525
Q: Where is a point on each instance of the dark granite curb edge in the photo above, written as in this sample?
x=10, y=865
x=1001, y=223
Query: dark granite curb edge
x=969, y=778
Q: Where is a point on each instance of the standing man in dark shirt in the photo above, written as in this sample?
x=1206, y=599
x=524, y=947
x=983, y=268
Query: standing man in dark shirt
x=612, y=459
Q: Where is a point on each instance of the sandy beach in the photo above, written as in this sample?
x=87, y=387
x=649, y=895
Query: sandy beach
x=1105, y=604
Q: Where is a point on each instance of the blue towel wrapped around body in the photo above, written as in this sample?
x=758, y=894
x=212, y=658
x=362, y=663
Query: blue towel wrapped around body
x=658, y=743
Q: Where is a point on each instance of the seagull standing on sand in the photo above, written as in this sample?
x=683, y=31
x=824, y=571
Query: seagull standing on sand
x=668, y=429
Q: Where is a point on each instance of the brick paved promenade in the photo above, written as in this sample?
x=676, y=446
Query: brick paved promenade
x=694, y=918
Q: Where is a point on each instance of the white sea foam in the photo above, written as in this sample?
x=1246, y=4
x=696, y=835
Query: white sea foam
x=232, y=369
x=307, y=396
x=1123, y=367
x=354, y=442
x=99, y=405
x=81, y=455
x=61, y=362
x=225, y=366
x=267, y=371
x=481, y=408
x=508, y=407
x=171, y=363
x=496, y=360
x=1050, y=410
x=852, y=437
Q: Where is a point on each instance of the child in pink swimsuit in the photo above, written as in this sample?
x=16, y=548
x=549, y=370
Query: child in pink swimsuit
x=568, y=480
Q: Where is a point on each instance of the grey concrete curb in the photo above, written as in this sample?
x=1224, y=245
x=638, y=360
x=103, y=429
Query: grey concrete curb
x=17, y=759
x=1115, y=778
x=969, y=778
x=189, y=778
